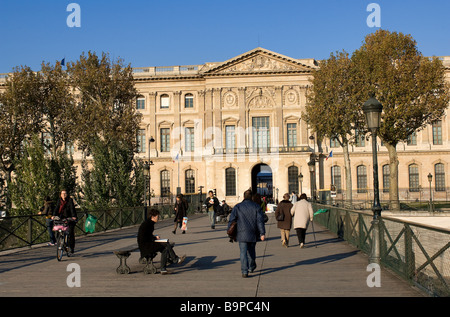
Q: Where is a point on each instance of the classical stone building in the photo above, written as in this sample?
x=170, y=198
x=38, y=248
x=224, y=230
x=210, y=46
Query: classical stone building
x=233, y=125
x=237, y=124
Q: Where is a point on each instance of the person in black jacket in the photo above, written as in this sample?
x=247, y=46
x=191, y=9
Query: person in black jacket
x=148, y=245
x=47, y=210
x=65, y=209
x=212, y=205
x=250, y=229
x=181, y=206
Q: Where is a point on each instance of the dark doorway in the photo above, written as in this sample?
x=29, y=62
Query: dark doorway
x=262, y=180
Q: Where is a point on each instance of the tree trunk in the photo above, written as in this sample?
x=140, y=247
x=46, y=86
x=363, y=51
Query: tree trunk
x=394, y=203
x=348, y=176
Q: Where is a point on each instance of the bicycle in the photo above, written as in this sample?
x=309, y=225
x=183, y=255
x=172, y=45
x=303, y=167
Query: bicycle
x=61, y=228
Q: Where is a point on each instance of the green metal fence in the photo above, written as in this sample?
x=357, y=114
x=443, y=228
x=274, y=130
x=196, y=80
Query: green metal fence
x=419, y=254
x=23, y=231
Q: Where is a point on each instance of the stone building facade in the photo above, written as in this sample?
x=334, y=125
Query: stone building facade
x=237, y=124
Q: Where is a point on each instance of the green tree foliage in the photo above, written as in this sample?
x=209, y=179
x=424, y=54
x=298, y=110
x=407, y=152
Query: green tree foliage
x=411, y=88
x=332, y=110
x=56, y=104
x=106, y=101
x=38, y=176
x=115, y=179
x=19, y=117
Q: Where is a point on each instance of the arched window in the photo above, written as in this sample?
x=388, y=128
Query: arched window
x=413, y=171
x=230, y=182
x=165, y=183
x=439, y=177
x=165, y=101
x=189, y=101
x=361, y=179
x=189, y=177
x=293, y=179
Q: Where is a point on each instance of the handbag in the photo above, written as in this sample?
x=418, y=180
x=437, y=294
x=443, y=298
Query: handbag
x=232, y=231
x=280, y=216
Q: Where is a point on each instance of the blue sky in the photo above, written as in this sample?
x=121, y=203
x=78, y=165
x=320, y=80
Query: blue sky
x=186, y=32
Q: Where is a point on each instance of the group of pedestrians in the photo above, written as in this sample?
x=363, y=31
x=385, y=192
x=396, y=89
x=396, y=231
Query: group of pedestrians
x=297, y=214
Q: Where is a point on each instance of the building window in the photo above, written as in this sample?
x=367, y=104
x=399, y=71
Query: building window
x=439, y=179
x=336, y=178
x=165, y=140
x=165, y=101
x=230, y=182
x=437, y=132
x=291, y=134
x=386, y=182
x=189, y=177
x=260, y=128
x=140, y=103
x=189, y=139
x=230, y=136
x=334, y=142
x=412, y=139
x=413, y=178
x=165, y=183
x=293, y=179
x=360, y=141
x=189, y=101
x=141, y=140
x=361, y=179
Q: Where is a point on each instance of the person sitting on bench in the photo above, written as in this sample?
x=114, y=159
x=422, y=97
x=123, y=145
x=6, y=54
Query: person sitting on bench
x=149, y=244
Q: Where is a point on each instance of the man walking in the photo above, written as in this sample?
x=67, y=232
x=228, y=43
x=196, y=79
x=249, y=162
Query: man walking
x=212, y=204
x=250, y=229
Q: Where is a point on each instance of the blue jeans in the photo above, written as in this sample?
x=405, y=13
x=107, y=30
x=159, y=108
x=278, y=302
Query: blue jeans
x=248, y=256
x=51, y=233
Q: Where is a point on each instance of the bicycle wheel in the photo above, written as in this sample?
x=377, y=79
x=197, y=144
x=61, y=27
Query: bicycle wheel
x=59, y=245
x=66, y=243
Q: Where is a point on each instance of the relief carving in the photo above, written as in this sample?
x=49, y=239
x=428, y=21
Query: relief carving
x=260, y=63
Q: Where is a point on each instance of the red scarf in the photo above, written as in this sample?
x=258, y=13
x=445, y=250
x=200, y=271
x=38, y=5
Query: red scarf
x=63, y=203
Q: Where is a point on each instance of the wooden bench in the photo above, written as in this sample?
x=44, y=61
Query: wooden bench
x=124, y=253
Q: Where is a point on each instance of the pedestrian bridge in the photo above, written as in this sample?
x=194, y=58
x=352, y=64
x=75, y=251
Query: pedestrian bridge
x=327, y=267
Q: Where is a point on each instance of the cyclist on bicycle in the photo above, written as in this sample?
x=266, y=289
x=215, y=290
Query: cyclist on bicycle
x=65, y=209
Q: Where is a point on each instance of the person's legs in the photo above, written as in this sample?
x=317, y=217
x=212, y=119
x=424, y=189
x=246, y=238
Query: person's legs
x=212, y=219
x=49, y=223
x=251, y=251
x=243, y=247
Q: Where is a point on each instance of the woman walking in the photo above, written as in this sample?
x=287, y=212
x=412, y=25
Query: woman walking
x=284, y=218
x=180, y=209
x=302, y=213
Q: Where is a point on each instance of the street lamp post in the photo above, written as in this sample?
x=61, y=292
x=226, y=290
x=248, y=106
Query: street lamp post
x=300, y=177
x=312, y=171
x=372, y=110
x=430, y=178
x=150, y=163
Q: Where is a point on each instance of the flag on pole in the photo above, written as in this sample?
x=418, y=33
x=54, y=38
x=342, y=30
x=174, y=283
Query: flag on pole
x=329, y=155
x=176, y=158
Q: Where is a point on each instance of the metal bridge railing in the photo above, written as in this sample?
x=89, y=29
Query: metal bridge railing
x=26, y=231
x=419, y=254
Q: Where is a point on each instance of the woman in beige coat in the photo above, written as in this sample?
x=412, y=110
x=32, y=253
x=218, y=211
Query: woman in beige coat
x=302, y=213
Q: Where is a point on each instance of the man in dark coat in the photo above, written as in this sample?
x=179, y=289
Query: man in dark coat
x=149, y=246
x=250, y=229
x=65, y=209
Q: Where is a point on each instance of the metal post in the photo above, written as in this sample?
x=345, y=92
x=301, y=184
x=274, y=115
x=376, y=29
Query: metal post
x=375, y=253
